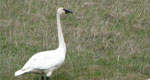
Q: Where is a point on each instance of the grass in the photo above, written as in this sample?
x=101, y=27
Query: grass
x=106, y=39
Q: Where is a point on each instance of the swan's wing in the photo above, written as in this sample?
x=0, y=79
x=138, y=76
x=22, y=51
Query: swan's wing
x=30, y=61
x=46, y=62
x=43, y=60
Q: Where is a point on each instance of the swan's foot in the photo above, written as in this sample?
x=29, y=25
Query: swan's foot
x=47, y=78
x=42, y=77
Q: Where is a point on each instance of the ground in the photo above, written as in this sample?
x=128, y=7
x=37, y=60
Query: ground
x=106, y=39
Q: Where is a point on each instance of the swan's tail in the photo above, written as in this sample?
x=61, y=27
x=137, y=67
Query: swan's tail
x=19, y=72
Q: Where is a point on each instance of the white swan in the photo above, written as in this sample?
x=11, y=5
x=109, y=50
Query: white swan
x=47, y=61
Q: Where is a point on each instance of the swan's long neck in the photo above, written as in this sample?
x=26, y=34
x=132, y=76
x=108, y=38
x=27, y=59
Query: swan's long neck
x=60, y=34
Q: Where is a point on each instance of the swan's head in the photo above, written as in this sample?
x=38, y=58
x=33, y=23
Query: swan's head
x=62, y=11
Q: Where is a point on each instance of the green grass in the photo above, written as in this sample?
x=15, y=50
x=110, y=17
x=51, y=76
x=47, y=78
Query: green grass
x=106, y=39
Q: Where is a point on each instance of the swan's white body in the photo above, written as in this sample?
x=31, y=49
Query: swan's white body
x=47, y=61
x=43, y=62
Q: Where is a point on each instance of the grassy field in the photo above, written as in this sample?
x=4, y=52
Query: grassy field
x=106, y=39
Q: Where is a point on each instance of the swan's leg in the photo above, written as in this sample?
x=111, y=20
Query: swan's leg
x=47, y=78
x=48, y=75
x=42, y=77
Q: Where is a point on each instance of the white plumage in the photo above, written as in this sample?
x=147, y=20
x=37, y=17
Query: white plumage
x=47, y=61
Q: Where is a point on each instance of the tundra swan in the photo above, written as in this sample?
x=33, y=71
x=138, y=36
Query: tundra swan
x=47, y=61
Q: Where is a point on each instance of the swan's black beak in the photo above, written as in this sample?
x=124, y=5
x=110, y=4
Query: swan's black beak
x=67, y=11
